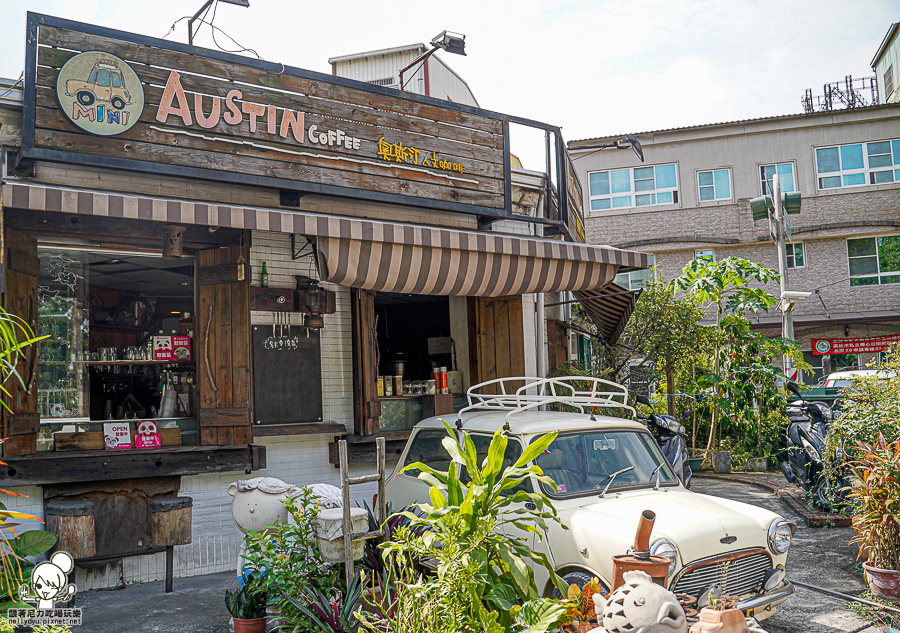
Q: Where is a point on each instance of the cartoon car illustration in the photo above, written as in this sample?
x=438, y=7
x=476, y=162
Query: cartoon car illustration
x=106, y=84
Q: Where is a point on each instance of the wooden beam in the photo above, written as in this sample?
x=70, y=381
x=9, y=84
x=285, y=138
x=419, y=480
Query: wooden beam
x=261, y=430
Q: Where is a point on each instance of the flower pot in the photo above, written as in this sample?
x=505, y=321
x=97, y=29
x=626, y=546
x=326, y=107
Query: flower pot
x=721, y=461
x=884, y=583
x=253, y=625
x=584, y=627
x=696, y=464
x=727, y=621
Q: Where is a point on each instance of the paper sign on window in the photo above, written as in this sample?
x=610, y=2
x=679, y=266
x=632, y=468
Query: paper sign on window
x=117, y=435
x=171, y=348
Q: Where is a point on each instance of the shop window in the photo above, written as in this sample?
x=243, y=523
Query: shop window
x=633, y=187
x=714, y=185
x=120, y=336
x=636, y=279
x=858, y=164
x=874, y=260
x=785, y=173
x=705, y=255
x=795, y=258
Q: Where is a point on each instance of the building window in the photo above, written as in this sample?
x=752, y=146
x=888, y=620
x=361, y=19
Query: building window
x=888, y=82
x=633, y=187
x=704, y=255
x=785, y=173
x=714, y=185
x=795, y=257
x=637, y=278
x=859, y=164
x=874, y=260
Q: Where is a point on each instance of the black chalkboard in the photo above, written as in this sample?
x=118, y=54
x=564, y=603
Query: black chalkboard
x=287, y=376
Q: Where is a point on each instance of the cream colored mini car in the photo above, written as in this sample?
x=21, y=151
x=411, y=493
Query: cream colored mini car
x=608, y=471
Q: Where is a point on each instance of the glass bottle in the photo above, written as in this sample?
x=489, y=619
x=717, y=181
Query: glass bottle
x=264, y=277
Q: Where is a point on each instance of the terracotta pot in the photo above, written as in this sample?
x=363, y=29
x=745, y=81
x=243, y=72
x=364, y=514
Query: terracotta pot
x=884, y=583
x=253, y=625
x=728, y=621
x=584, y=627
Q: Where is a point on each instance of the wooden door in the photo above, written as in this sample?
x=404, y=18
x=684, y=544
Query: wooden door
x=496, y=338
x=20, y=298
x=366, y=406
x=223, y=345
x=557, y=344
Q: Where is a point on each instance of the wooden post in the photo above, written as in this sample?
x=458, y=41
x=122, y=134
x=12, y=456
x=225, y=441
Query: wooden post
x=381, y=517
x=170, y=567
x=347, y=525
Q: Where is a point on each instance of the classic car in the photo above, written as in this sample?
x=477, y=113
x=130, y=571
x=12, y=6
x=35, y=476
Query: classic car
x=608, y=470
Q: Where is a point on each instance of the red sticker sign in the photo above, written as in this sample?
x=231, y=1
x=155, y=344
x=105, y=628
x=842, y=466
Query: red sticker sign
x=822, y=346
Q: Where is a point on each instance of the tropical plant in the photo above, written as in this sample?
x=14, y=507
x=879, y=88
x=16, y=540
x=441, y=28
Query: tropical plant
x=249, y=601
x=876, y=497
x=876, y=616
x=483, y=581
x=15, y=336
x=579, y=603
x=332, y=613
x=289, y=553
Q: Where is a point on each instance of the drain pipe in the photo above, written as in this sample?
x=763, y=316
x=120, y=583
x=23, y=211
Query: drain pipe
x=540, y=335
x=844, y=596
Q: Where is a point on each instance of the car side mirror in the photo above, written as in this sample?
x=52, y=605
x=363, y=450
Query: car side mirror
x=642, y=399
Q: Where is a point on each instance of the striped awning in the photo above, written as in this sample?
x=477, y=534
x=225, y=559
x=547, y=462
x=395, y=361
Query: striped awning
x=609, y=308
x=371, y=254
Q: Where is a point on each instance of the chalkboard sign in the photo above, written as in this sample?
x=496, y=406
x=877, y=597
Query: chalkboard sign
x=287, y=376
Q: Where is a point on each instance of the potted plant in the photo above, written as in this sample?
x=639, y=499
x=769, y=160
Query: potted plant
x=247, y=606
x=580, y=616
x=721, y=616
x=876, y=497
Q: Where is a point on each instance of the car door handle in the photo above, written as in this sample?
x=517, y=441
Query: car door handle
x=529, y=505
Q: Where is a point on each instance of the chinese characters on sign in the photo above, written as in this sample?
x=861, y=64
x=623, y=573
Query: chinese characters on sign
x=822, y=346
x=400, y=153
x=44, y=617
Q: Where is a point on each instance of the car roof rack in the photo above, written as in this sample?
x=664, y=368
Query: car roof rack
x=522, y=393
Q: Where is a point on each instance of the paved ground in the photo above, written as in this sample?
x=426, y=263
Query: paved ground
x=818, y=556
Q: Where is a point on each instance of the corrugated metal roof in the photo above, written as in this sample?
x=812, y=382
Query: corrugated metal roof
x=586, y=142
x=384, y=51
x=884, y=43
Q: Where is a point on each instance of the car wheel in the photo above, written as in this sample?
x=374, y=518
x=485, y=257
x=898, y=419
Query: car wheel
x=85, y=98
x=117, y=103
x=578, y=578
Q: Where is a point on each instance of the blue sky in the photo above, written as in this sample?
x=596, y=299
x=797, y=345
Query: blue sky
x=594, y=68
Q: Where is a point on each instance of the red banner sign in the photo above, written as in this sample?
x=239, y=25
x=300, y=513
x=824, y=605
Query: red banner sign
x=821, y=346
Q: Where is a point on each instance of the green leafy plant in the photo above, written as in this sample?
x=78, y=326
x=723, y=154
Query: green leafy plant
x=249, y=601
x=289, y=554
x=331, y=613
x=876, y=500
x=874, y=615
x=483, y=581
x=15, y=336
x=579, y=603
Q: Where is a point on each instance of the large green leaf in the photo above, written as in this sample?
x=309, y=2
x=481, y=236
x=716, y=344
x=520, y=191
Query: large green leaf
x=502, y=596
x=535, y=448
x=33, y=542
x=539, y=615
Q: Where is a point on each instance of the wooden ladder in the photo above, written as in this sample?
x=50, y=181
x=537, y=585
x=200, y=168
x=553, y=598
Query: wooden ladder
x=380, y=510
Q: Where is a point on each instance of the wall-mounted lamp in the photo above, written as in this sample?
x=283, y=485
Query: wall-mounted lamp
x=173, y=241
x=314, y=302
x=446, y=41
x=628, y=142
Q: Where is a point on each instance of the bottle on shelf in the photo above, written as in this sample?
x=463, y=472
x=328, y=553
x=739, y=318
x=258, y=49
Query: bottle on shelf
x=264, y=277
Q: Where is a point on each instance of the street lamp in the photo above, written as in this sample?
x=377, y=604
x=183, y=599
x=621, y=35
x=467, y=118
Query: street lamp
x=628, y=142
x=446, y=41
x=206, y=5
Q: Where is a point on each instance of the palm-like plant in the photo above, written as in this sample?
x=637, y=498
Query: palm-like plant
x=15, y=336
x=876, y=497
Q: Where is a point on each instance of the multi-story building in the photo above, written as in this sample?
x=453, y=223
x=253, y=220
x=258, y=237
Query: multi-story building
x=886, y=65
x=691, y=198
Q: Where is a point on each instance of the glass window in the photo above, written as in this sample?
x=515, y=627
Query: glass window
x=426, y=447
x=652, y=185
x=637, y=278
x=115, y=80
x=874, y=260
x=103, y=77
x=714, y=185
x=795, y=257
x=706, y=254
x=858, y=164
x=785, y=173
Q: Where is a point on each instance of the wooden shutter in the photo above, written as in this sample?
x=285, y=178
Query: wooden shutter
x=223, y=345
x=366, y=406
x=496, y=338
x=20, y=298
x=557, y=344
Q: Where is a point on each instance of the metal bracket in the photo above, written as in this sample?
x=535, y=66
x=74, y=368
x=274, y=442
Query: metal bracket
x=299, y=246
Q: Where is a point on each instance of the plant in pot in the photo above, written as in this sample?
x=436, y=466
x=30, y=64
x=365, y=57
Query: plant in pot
x=721, y=616
x=247, y=606
x=876, y=520
x=580, y=616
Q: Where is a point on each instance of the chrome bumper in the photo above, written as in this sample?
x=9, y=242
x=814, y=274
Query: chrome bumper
x=779, y=594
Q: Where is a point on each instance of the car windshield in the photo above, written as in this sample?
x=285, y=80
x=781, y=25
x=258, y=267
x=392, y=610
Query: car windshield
x=582, y=463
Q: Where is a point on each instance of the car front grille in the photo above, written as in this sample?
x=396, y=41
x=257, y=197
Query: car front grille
x=737, y=573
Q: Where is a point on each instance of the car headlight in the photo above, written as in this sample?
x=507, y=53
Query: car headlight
x=780, y=534
x=666, y=549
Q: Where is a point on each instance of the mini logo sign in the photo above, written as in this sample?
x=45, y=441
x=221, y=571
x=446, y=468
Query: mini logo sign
x=49, y=585
x=100, y=93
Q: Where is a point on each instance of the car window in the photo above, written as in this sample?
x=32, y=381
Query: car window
x=583, y=462
x=115, y=80
x=93, y=76
x=102, y=77
x=426, y=448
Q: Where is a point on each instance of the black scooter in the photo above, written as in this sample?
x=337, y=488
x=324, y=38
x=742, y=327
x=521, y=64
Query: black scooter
x=807, y=434
x=669, y=435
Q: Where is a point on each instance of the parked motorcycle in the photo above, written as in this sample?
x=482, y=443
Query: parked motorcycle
x=670, y=434
x=807, y=435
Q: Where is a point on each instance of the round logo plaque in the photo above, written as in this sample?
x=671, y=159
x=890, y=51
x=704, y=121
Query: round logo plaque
x=100, y=93
x=823, y=346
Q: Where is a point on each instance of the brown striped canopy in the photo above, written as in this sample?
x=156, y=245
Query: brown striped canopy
x=609, y=308
x=371, y=254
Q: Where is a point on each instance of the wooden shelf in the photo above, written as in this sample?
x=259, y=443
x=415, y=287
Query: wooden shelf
x=135, y=362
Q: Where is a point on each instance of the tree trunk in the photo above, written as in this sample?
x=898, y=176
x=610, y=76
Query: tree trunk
x=715, y=407
x=670, y=387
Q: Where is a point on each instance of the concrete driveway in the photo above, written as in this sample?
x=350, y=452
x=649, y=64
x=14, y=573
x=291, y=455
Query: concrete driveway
x=818, y=556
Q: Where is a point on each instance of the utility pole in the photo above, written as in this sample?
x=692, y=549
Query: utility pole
x=787, y=308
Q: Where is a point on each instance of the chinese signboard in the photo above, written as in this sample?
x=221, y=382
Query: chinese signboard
x=821, y=346
x=171, y=348
x=108, y=98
